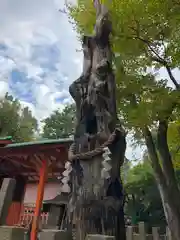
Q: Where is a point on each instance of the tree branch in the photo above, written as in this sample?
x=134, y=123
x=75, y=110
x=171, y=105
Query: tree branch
x=168, y=68
x=163, y=149
x=149, y=44
x=157, y=58
x=177, y=85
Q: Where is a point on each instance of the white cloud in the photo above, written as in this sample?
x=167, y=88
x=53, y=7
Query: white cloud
x=3, y=88
x=28, y=29
x=6, y=65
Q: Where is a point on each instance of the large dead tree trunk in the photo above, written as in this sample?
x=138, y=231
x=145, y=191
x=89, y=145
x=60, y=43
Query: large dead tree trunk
x=165, y=178
x=97, y=203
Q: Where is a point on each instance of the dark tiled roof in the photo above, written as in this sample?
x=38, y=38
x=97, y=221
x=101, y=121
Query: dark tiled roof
x=5, y=138
x=41, y=142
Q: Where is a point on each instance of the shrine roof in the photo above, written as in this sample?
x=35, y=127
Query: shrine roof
x=35, y=146
x=6, y=138
x=40, y=142
x=26, y=158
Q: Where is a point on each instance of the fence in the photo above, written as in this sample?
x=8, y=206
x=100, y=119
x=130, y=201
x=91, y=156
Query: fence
x=140, y=233
x=132, y=232
x=27, y=214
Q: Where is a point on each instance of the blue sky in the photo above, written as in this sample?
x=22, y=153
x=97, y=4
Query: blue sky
x=38, y=55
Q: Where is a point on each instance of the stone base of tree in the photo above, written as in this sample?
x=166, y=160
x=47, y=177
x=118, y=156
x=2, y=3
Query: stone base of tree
x=99, y=237
x=11, y=233
x=55, y=235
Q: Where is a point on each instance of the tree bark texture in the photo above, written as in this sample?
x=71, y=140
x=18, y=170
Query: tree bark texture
x=96, y=203
x=165, y=178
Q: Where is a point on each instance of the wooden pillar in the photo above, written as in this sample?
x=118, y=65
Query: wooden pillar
x=39, y=199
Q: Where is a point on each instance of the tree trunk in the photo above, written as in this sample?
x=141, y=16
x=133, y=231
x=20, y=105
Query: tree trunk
x=97, y=201
x=165, y=178
x=172, y=203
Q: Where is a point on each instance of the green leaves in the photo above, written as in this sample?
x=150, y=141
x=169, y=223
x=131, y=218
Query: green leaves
x=145, y=38
x=84, y=16
x=174, y=142
x=143, y=202
x=16, y=121
x=60, y=124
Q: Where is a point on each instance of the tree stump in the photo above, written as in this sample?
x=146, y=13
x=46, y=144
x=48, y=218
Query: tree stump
x=96, y=203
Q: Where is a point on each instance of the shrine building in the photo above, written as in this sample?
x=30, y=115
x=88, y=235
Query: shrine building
x=37, y=167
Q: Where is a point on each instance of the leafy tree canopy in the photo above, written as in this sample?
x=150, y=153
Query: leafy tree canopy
x=145, y=39
x=60, y=124
x=15, y=120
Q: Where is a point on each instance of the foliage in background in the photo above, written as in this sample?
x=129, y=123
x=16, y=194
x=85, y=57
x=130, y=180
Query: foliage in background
x=143, y=202
x=145, y=38
x=60, y=124
x=15, y=120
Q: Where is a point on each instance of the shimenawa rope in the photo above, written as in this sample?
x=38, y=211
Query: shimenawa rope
x=88, y=155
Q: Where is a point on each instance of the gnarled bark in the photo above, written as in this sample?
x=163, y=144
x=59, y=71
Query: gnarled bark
x=97, y=203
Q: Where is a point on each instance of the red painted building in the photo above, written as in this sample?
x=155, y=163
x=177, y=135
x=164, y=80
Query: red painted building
x=24, y=162
x=51, y=190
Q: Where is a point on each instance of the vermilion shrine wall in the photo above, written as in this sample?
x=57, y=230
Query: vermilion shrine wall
x=51, y=190
x=16, y=209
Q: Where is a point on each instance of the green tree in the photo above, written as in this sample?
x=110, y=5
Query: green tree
x=143, y=199
x=60, y=124
x=174, y=142
x=16, y=121
x=145, y=40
